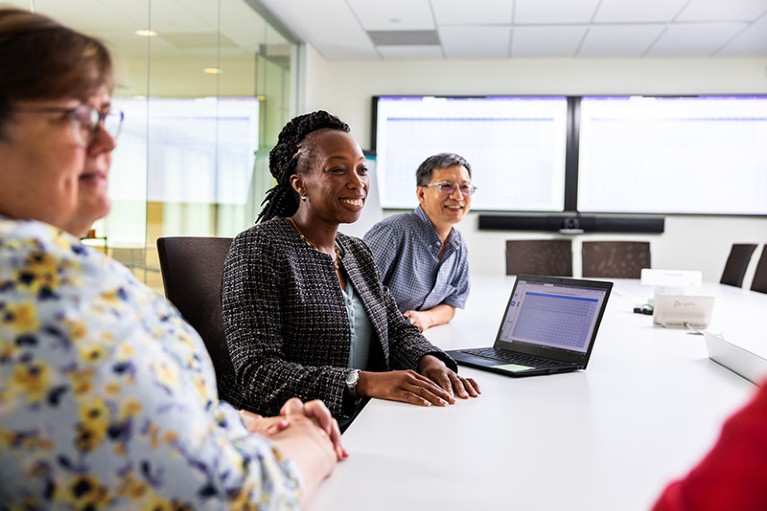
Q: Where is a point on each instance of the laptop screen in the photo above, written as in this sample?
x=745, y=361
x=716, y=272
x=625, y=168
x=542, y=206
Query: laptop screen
x=555, y=315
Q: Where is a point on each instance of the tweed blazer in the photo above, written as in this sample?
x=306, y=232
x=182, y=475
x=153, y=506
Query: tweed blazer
x=287, y=327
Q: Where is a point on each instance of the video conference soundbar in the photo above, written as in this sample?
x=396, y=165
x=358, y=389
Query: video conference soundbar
x=572, y=224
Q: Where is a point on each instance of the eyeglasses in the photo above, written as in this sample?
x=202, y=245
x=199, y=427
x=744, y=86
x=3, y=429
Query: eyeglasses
x=86, y=120
x=448, y=188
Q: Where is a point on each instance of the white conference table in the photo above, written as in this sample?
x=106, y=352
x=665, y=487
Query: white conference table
x=649, y=405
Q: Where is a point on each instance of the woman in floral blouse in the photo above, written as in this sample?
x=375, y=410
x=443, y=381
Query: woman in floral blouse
x=107, y=397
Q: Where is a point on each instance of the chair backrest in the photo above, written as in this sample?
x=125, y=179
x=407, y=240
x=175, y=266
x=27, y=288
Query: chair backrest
x=760, y=275
x=539, y=257
x=192, y=269
x=737, y=263
x=615, y=259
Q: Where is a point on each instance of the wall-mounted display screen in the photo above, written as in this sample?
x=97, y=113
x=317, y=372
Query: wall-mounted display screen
x=685, y=155
x=590, y=154
x=516, y=146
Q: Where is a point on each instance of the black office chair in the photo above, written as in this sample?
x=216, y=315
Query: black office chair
x=615, y=259
x=539, y=257
x=760, y=275
x=737, y=263
x=192, y=269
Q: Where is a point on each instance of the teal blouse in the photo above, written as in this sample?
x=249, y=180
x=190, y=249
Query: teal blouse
x=361, y=329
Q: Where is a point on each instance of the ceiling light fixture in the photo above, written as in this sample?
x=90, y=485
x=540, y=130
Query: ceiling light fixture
x=145, y=32
x=213, y=70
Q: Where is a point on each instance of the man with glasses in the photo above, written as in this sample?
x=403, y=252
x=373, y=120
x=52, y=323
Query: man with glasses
x=422, y=259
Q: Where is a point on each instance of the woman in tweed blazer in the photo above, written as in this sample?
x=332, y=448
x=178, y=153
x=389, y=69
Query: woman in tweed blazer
x=305, y=312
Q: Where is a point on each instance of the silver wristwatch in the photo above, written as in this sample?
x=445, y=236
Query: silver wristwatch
x=352, y=378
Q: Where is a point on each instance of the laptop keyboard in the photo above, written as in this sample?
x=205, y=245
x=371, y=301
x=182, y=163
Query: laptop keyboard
x=511, y=357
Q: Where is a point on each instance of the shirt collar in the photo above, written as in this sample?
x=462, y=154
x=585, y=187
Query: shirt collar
x=428, y=227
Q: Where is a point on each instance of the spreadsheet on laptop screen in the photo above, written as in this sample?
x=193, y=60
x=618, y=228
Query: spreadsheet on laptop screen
x=552, y=315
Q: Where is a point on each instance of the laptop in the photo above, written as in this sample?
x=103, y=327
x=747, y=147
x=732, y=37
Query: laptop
x=682, y=311
x=549, y=326
x=738, y=360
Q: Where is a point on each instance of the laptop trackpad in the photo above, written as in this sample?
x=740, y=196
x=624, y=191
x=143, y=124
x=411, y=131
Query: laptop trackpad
x=475, y=361
x=514, y=368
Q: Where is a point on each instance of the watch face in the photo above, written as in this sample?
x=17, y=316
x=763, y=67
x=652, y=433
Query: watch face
x=352, y=377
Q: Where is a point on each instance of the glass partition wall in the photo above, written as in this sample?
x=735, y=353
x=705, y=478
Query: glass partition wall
x=205, y=86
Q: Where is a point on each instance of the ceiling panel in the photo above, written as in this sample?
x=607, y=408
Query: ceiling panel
x=337, y=29
x=123, y=42
x=242, y=24
x=321, y=23
x=159, y=47
x=393, y=14
x=332, y=48
x=128, y=44
x=310, y=19
x=687, y=39
x=89, y=15
x=751, y=42
x=616, y=28
x=476, y=12
x=136, y=11
x=206, y=11
x=554, y=11
x=531, y=42
x=619, y=41
x=475, y=42
x=411, y=52
x=723, y=10
x=211, y=57
x=21, y=4
x=633, y=11
x=167, y=16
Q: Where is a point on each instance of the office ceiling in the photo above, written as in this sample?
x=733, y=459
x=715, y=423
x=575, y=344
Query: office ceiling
x=502, y=29
x=198, y=29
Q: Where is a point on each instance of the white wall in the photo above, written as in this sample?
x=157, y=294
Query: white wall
x=689, y=243
x=702, y=243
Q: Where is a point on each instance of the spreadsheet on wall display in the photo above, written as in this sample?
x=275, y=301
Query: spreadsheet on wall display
x=516, y=147
x=703, y=154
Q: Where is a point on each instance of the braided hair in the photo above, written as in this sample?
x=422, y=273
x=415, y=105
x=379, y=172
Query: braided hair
x=290, y=157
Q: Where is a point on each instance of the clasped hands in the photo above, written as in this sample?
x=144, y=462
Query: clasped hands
x=313, y=417
x=434, y=384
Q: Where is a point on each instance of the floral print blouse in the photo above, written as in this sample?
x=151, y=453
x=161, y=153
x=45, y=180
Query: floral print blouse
x=108, y=397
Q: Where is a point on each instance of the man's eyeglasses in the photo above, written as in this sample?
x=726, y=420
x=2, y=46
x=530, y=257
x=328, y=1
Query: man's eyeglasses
x=86, y=120
x=448, y=188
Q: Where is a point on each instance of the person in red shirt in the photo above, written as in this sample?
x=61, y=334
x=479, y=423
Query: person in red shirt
x=733, y=475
